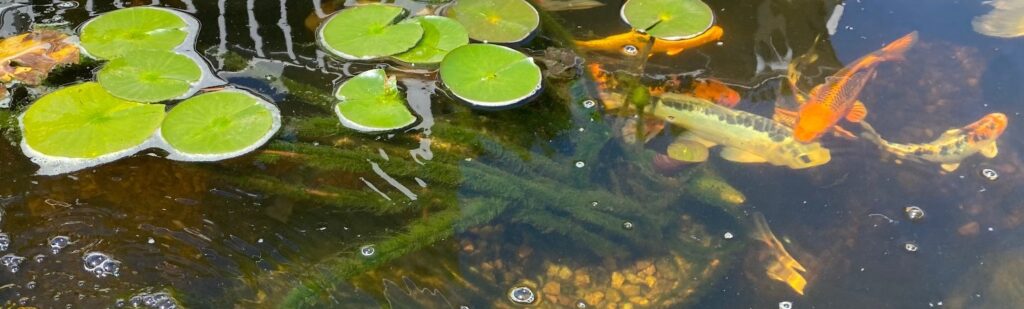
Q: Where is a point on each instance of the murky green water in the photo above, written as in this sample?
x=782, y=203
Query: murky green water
x=471, y=204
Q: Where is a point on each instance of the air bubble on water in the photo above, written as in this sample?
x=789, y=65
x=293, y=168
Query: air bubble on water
x=728, y=235
x=522, y=295
x=589, y=103
x=990, y=174
x=630, y=50
x=101, y=264
x=627, y=225
x=11, y=262
x=67, y=5
x=910, y=247
x=30, y=285
x=39, y=258
x=58, y=243
x=594, y=204
x=914, y=213
x=785, y=305
x=158, y=300
x=367, y=250
x=581, y=304
x=580, y=164
x=5, y=241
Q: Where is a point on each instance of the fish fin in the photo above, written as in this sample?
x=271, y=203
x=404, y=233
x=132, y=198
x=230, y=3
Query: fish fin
x=990, y=151
x=674, y=51
x=740, y=156
x=949, y=167
x=951, y=133
x=689, y=136
x=687, y=151
x=840, y=132
x=785, y=117
x=857, y=112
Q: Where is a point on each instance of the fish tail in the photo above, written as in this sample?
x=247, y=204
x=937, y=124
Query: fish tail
x=897, y=49
x=871, y=135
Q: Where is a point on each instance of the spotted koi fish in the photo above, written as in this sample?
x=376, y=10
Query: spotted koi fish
x=952, y=147
x=837, y=97
x=620, y=43
x=746, y=137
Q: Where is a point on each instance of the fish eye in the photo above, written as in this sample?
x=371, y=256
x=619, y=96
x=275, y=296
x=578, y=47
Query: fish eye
x=804, y=158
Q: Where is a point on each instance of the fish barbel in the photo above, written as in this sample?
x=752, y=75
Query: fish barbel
x=746, y=137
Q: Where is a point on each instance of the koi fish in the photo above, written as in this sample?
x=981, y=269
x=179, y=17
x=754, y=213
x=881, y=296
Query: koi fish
x=716, y=91
x=617, y=43
x=1006, y=20
x=837, y=97
x=950, y=148
x=783, y=267
x=746, y=137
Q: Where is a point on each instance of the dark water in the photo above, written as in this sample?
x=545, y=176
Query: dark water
x=475, y=203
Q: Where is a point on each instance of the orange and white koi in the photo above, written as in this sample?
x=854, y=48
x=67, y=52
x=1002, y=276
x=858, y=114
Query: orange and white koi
x=950, y=148
x=781, y=266
x=837, y=97
x=619, y=43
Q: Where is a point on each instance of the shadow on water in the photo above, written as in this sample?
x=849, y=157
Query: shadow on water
x=469, y=204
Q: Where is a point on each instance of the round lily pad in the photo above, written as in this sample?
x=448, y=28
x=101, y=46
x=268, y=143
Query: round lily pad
x=496, y=21
x=669, y=19
x=149, y=75
x=368, y=31
x=115, y=33
x=371, y=102
x=219, y=125
x=440, y=36
x=490, y=75
x=84, y=121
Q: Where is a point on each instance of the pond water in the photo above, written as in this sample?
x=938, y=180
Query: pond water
x=468, y=205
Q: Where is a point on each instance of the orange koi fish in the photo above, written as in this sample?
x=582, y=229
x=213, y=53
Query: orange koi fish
x=709, y=89
x=617, y=43
x=950, y=148
x=716, y=91
x=837, y=97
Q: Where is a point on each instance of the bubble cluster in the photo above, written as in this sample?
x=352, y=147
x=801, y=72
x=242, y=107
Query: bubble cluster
x=990, y=174
x=5, y=241
x=914, y=213
x=11, y=262
x=67, y=4
x=158, y=300
x=367, y=250
x=58, y=243
x=522, y=295
x=910, y=247
x=101, y=265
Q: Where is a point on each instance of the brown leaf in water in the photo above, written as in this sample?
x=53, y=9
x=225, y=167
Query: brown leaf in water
x=29, y=57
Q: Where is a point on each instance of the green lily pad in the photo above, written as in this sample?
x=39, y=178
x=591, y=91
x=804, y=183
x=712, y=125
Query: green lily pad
x=669, y=19
x=490, y=75
x=219, y=125
x=84, y=121
x=496, y=21
x=149, y=75
x=440, y=36
x=368, y=31
x=115, y=33
x=371, y=102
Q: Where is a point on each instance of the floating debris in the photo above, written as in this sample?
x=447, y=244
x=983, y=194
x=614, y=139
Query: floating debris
x=914, y=213
x=101, y=264
x=58, y=243
x=990, y=174
x=522, y=295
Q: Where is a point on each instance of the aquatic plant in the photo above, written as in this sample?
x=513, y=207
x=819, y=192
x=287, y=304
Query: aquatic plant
x=488, y=75
x=371, y=102
x=669, y=19
x=116, y=33
x=496, y=21
x=149, y=75
x=85, y=121
x=440, y=36
x=219, y=125
x=368, y=32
